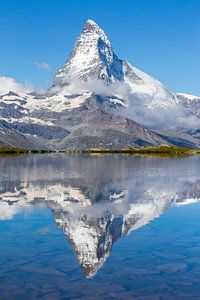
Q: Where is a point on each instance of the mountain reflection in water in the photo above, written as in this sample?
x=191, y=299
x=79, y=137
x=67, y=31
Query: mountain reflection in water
x=96, y=199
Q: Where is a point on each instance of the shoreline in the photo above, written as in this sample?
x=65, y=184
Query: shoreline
x=163, y=150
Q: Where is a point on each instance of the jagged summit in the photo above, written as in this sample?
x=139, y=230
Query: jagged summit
x=92, y=58
x=93, y=62
x=99, y=101
x=91, y=27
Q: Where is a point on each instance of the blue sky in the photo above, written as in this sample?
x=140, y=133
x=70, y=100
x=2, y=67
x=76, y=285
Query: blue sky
x=161, y=37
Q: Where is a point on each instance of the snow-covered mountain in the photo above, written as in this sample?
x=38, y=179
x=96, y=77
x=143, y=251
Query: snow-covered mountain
x=191, y=102
x=98, y=100
x=91, y=58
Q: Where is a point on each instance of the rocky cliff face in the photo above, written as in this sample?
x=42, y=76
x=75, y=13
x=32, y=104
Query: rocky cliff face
x=90, y=125
x=98, y=100
x=91, y=58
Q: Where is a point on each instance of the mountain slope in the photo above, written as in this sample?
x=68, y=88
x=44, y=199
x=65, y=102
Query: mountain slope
x=85, y=127
x=91, y=58
x=191, y=102
x=98, y=100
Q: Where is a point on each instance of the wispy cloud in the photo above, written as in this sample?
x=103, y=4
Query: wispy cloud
x=172, y=116
x=8, y=84
x=42, y=65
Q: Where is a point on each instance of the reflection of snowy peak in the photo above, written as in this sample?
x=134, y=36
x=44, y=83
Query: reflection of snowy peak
x=91, y=237
x=96, y=200
x=90, y=227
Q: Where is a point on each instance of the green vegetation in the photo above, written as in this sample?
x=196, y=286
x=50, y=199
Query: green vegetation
x=162, y=150
x=5, y=150
x=17, y=151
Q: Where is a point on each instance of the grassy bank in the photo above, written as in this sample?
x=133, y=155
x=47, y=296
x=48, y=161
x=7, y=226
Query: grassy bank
x=12, y=151
x=162, y=150
x=17, y=151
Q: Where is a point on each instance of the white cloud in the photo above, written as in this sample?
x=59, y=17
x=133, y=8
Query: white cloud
x=174, y=116
x=169, y=117
x=96, y=86
x=42, y=65
x=8, y=84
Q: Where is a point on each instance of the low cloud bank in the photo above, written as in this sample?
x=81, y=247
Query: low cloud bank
x=151, y=111
x=166, y=113
x=8, y=84
x=173, y=116
x=154, y=111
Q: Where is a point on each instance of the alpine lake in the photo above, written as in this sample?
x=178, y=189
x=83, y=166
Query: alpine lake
x=99, y=226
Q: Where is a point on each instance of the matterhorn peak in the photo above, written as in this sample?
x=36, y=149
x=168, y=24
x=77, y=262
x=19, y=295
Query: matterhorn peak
x=90, y=26
x=92, y=58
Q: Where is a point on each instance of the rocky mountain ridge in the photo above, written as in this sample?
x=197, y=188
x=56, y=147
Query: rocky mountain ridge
x=98, y=101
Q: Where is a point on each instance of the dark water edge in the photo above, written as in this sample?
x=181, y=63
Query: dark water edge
x=147, y=207
x=162, y=150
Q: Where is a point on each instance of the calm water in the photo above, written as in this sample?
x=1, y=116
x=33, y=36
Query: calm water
x=99, y=227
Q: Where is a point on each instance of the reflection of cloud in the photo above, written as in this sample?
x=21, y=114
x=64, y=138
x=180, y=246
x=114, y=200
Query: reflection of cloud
x=92, y=227
x=96, y=200
x=7, y=211
x=43, y=230
x=42, y=65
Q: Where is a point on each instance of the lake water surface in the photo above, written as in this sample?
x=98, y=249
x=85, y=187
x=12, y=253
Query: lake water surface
x=99, y=227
